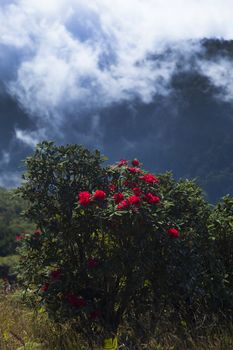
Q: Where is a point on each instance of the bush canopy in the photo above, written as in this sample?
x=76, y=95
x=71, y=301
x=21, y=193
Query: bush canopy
x=116, y=243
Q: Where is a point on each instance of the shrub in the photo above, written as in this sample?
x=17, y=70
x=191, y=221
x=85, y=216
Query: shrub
x=116, y=244
x=100, y=233
x=220, y=256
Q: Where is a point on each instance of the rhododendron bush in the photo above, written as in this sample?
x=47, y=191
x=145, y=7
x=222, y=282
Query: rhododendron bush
x=107, y=238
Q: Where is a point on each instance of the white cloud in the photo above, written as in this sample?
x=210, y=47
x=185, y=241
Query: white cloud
x=77, y=54
x=220, y=73
x=30, y=138
x=5, y=159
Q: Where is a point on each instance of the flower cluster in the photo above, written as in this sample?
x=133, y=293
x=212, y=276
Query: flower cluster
x=118, y=197
x=173, y=232
x=55, y=275
x=133, y=170
x=75, y=300
x=36, y=233
x=123, y=199
x=149, y=178
x=137, y=190
x=150, y=198
x=122, y=162
x=85, y=197
x=19, y=237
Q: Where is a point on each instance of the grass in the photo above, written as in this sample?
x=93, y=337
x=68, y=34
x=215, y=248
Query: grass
x=22, y=329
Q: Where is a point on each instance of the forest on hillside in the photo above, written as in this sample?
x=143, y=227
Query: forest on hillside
x=12, y=223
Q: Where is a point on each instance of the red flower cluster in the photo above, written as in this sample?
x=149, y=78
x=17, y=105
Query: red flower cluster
x=112, y=187
x=173, y=232
x=150, y=198
x=92, y=263
x=95, y=314
x=76, y=301
x=118, y=197
x=18, y=238
x=123, y=205
x=135, y=162
x=55, y=275
x=99, y=195
x=37, y=232
x=45, y=287
x=137, y=191
x=122, y=162
x=133, y=170
x=149, y=178
x=134, y=200
x=129, y=184
x=84, y=198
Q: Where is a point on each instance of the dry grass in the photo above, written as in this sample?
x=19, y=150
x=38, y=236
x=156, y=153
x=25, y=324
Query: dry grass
x=21, y=329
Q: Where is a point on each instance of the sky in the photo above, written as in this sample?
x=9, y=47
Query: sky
x=104, y=74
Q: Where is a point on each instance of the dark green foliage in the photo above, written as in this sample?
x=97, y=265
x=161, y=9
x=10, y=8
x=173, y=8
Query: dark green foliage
x=125, y=243
x=100, y=266
x=220, y=228
x=11, y=221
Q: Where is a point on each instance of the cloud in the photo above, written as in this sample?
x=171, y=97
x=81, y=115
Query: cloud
x=85, y=54
x=220, y=74
x=5, y=159
x=10, y=179
x=30, y=138
x=65, y=60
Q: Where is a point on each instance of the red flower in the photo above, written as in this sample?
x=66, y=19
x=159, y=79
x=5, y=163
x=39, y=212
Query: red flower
x=37, y=232
x=129, y=184
x=173, y=232
x=99, y=195
x=150, y=198
x=137, y=191
x=45, y=287
x=55, y=275
x=18, y=237
x=95, y=314
x=134, y=170
x=149, y=178
x=92, y=263
x=122, y=162
x=75, y=300
x=134, y=200
x=123, y=204
x=118, y=197
x=112, y=187
x=135, y=162
x=84, y=198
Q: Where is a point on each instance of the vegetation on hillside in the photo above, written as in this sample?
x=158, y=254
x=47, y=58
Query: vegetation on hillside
x=12, y=223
